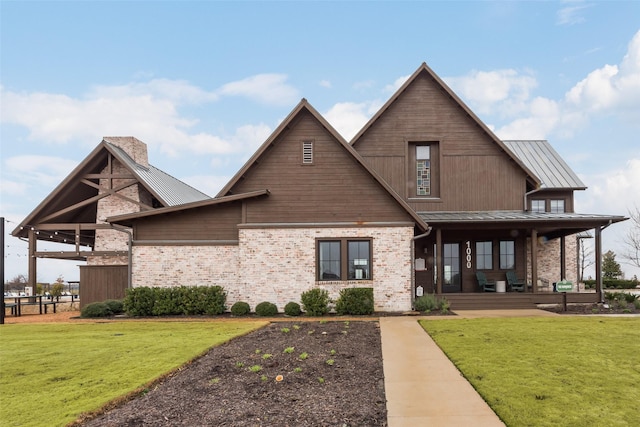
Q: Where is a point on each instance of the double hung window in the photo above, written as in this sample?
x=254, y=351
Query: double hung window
x=507, y=254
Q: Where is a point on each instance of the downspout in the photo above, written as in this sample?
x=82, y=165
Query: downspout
x=130, y=260
x=413, y=265
x=527, y=194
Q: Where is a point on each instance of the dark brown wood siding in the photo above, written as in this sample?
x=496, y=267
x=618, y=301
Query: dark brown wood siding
x=217, y=222
x=335, y=188
x=102, y=282
x=474, y=172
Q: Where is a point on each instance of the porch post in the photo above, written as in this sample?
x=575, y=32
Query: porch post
x=598, y=255
x=439, y=261
x=563, y=264
x=534, y=260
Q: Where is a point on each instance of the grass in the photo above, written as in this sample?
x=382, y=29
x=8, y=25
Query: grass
x=571, y=371
x=53, y=373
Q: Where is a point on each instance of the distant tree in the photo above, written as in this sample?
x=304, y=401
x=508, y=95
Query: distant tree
x=610, y=267
x=631, y=241
x=17, y=283
x=58, y=287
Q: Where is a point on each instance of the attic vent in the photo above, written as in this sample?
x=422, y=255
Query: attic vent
x=307, y=152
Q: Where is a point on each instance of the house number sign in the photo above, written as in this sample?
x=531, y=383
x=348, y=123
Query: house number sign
x=468, y=251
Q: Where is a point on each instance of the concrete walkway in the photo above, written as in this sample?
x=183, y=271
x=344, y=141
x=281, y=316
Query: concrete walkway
x=422, y=386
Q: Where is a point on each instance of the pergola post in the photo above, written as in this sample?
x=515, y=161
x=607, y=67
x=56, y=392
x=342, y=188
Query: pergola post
x=33, y=266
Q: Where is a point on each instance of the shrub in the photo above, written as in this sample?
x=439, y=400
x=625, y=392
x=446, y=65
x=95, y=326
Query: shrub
x=266, y=308
x=96, y=309
x=292, y=309
x=186, y=300
x=425, y=303
x=240, y=308
x=355, y=301
x=116, y=306
x=315, y=302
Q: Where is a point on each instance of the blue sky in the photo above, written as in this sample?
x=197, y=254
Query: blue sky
x=205, y=83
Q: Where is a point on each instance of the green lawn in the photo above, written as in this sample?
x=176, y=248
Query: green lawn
x=52, y=373
x=562, y=371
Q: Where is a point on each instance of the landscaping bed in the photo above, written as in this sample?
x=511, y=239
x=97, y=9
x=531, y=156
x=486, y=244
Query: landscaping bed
x=305, y=373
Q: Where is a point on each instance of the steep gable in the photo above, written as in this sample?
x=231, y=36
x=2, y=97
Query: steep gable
x=322, y=181
x=465, y=154
x=138, y=184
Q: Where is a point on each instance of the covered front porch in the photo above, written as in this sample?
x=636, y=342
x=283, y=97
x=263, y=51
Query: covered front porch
x=538, y=249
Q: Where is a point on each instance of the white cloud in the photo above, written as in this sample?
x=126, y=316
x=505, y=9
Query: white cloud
x=393, y=87
x=269, y=89
x=41, y=171
x=325, y=84
x=500, y=91
x=571, y=14
x=349, y=117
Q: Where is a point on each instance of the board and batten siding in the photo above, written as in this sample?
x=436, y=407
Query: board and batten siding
x=335, y=188
x=218, y=222
x=474, y=172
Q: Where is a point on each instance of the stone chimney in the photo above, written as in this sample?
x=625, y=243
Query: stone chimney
x=135, y=148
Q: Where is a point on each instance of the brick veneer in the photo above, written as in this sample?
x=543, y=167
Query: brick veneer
x=549, y=260
x=278, y=265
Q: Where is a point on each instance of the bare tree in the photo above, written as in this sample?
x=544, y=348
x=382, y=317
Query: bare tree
x=585, y=258
x=631, y=241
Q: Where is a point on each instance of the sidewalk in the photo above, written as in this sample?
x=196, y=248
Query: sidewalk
x=422, y=386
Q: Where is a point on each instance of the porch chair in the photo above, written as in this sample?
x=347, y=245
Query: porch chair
x=485, y=285
x=514, y=283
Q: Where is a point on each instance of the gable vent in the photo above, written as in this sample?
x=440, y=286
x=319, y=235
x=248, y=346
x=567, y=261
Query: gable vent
x=307, y=152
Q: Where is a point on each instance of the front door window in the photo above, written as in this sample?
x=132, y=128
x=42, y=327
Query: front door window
x=451, y=258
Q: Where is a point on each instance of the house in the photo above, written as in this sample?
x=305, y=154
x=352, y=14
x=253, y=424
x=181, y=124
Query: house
x=424, y=197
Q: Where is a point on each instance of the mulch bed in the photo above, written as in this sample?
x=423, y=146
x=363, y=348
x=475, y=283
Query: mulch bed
x=339, y=383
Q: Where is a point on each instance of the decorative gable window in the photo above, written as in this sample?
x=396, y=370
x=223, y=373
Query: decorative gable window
x=423, y=170
x=307, y=152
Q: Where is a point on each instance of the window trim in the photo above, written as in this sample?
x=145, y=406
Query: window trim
x=344, y=258
x=484, y=256
x=502, y=255
x=544, y=205
x=553, y=205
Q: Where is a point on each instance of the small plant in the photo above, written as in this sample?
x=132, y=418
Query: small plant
x=426, y=303
x=330, y=362
x=321, y=380
x=310, y=332
x=266, y=309
x=315, y=302
x=322, y=322
x=630, y=298
x=292, y=309
x=266, y=356
x=239, y=365
x=258, y=351
x=332, y=352
x=255, y=368
x=636, y=304
x=346, y=323
x=289, y=350
x=297, y=369
x=214, y=380
x=444, y=306
x=264, y=378
x=355, y=301
x=303, y=356
x=296, y=327
x=285, y=330
x=96, y=309
x=240, y=308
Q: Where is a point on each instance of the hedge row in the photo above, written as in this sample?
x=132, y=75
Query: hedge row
x=183, y=300
x=613, y=284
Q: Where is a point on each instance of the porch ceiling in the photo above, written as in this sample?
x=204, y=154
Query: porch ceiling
x=550, y=225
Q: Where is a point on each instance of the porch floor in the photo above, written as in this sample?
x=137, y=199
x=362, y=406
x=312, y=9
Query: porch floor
x=514, y=300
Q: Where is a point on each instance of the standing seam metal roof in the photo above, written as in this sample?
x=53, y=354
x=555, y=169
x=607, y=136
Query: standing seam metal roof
x=546, y=163
x=171, y=190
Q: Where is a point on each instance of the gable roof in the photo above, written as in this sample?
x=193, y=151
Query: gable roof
x=546, y=163
x=304, y=106
x=66, y=201
x=535, y=181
